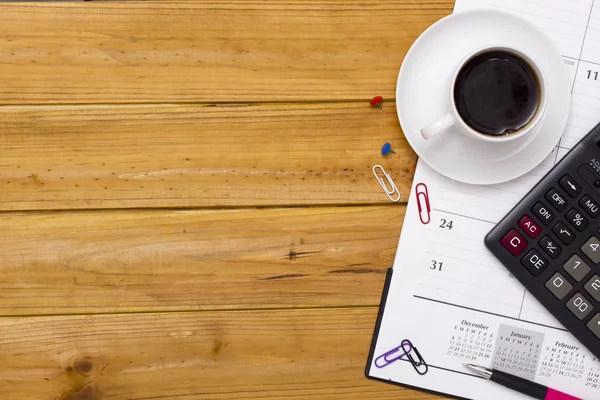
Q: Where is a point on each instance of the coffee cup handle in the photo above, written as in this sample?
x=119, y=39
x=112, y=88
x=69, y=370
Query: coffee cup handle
x=437, y=127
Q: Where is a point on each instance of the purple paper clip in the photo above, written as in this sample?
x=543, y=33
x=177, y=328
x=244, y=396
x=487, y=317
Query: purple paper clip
x=393, y=351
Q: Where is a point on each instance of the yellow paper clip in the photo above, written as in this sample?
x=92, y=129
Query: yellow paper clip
x=387, y=190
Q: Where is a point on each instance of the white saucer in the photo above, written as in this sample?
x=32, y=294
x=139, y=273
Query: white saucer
x=422, y=93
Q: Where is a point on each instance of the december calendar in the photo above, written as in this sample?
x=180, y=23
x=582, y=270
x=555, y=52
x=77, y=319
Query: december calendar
x=448, y=296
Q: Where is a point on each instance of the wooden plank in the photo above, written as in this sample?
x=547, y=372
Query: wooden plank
x=153, y=260
x=191, y=156
x=308, y=354
x=132, y=52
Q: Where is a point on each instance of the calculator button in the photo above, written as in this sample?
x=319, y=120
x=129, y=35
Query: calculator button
x=534, y=262
x=542, y=212
x=593, y=287
x=570, y=186
x=579, y=306
x=591, y=248
x=559, y=286
x=590, y=206
x=514, y=242
x=531, y=228
x=576, y=267
x=594, y=325
x=556, y=199
x=564, y=234
x=550, y=246
x=577, y=220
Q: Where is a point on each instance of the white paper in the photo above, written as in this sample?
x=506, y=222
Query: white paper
x=449, y=295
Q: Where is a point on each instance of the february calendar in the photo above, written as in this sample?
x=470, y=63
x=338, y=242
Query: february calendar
x=448, y=295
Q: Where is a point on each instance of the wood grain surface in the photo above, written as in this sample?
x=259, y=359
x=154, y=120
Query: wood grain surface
x=187, y=206
x=299, y=354
x=160, y=260
x=215, y=51
x=193, y=156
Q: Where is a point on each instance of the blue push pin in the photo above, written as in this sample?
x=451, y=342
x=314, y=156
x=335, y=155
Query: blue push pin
x=387, y=148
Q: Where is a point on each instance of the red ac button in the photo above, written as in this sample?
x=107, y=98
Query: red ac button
x=531, y=228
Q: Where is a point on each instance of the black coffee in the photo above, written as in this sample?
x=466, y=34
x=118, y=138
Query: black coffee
x=496, y=93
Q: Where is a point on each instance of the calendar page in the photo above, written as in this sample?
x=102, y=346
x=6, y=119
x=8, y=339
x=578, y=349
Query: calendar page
x=448, y=295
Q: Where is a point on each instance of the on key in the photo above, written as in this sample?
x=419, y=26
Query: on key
x=542, y=212
x=514, y=242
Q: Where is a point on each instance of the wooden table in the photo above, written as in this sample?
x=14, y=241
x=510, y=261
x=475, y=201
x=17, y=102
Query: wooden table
x=187, y=204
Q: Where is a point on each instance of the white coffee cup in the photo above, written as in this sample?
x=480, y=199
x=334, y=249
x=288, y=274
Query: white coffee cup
x=452, y=118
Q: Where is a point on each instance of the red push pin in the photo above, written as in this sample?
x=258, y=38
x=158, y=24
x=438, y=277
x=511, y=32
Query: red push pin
x=376, y=101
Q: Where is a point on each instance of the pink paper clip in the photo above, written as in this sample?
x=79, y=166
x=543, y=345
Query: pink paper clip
x=423, y=203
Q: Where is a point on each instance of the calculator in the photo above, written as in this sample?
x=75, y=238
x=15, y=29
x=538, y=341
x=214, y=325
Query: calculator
x=550, y=241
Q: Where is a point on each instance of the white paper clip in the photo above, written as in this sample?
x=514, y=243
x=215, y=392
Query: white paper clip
x=387, y=191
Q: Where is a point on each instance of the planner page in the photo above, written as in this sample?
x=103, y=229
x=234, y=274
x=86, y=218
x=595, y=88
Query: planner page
x=448, y=295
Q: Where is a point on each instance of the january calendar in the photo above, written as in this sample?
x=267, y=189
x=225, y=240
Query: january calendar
x=448, y=295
